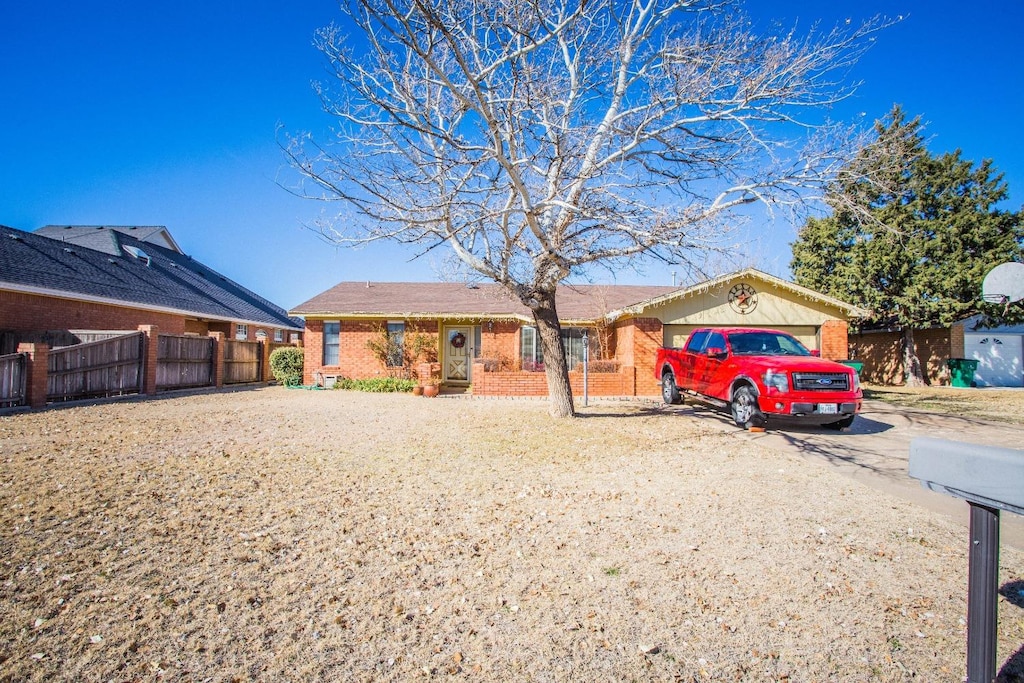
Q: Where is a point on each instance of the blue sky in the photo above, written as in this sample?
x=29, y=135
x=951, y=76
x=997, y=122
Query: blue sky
x=138, y=113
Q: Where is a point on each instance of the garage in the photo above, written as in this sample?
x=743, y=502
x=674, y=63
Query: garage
x=1000, y=356
x=751, y=298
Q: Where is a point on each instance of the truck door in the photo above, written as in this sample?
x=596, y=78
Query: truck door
x=708, y=367
x=692, y=357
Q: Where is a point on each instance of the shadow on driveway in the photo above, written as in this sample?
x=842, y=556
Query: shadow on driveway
x=876, y=451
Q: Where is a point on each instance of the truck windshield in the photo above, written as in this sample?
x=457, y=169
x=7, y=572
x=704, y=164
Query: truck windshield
x=766, y=344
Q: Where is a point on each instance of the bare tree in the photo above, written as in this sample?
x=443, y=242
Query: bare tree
x=537, y=138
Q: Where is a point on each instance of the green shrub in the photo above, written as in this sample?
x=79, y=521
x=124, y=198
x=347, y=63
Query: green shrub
x=286, y=364
x=378, y=385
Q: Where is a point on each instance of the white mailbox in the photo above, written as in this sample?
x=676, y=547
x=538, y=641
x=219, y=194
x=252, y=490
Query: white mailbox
x=990, y=479
x=987, y=475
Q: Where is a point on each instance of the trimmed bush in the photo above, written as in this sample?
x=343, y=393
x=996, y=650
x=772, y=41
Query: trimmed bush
x=377, y=385
x=286, y=364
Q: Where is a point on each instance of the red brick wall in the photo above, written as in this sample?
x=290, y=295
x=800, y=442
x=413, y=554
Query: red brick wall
x=33, y=313
x=637, y=343
x=882, y=354
x=500, y=341
x=535, y=383
x=835, y=340
x=497, y=340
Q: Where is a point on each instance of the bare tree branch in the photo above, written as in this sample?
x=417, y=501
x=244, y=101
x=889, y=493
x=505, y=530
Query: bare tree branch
x=540, y=137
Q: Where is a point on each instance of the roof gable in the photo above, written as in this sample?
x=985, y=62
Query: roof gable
x=153, y=277
x=105, y=238
x=728, y=280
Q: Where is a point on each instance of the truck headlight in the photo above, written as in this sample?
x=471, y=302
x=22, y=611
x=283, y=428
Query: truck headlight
x=773, y=379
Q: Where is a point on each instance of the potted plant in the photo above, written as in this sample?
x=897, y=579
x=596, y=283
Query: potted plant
x=417, y=390
x=431, y=390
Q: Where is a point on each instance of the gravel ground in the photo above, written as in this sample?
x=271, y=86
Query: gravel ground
x=296, y=535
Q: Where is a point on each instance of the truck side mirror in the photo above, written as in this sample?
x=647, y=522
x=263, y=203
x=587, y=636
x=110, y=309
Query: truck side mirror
x=816, y=353
x=714, y=351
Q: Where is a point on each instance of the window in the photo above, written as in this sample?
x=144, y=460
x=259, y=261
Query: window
x=332, y=342
x=278, y=335
x=716, y=340
x=532, y=357
x=696, y=343
x=572, y=342
x=396, y=344
x=241, y=332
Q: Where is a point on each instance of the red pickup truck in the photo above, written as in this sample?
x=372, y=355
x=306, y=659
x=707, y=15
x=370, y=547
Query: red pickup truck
x=759, y=375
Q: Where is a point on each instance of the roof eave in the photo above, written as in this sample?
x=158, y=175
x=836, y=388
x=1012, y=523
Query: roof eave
x=88, y=298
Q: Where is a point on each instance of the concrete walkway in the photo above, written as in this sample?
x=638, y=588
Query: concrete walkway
x=876, y=451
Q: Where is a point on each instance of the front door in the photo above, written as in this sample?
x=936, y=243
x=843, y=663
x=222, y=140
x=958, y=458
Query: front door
x=458, y=353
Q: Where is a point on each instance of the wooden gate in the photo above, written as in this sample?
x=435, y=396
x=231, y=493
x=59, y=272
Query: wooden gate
x=243, y=361
x=12, y=380
x=103, y=368
x=183, y=361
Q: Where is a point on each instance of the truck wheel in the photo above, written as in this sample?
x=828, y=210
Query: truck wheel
x=669, y=390
x=841, y=424
x=745, y=411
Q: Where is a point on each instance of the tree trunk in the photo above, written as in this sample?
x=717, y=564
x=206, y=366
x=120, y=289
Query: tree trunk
x=555, y=368
x=912, y=374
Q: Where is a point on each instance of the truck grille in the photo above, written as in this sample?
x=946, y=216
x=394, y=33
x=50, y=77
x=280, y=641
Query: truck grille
x=821, y=381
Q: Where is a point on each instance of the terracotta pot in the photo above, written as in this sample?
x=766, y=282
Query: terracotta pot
x=431, y=390
x=417, y=390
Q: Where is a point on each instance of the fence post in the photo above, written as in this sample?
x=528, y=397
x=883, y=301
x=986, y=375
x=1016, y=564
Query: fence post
x=265, y=375
x=218, y=358
x=36, y=369
x=150, y=349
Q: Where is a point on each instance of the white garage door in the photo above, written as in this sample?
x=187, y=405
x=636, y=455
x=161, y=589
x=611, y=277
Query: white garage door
x=999, y=357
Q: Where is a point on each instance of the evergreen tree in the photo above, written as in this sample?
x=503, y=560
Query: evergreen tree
x=911, y=236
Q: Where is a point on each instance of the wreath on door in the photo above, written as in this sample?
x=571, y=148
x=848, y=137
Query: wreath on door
x=458, y=340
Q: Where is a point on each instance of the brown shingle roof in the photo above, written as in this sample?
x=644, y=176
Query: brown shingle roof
x=452, y=300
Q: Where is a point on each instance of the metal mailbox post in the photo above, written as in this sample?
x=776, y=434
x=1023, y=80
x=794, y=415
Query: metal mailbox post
x=990, y=479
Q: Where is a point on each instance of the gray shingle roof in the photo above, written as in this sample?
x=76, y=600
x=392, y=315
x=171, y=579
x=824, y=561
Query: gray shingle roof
x=446, y=299
x=170, y=281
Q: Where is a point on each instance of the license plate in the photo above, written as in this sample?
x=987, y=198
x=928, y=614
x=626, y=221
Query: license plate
x=828, y=408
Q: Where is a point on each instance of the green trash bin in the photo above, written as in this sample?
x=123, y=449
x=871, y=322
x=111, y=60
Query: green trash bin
x=855, y=364
x=961, y=371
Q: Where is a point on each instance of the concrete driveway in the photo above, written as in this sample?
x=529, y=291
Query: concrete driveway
x=876, y=451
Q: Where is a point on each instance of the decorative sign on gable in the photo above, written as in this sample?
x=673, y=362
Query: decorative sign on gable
x=743, y=298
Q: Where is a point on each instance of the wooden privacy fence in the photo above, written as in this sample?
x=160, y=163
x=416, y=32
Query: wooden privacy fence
x=184, y=361
x=243, y=361
x=12, y=380
x=102, y=368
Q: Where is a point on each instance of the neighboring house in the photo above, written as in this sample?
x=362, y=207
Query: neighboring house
x=60, y=278
x=998, y=350
x=486, y=339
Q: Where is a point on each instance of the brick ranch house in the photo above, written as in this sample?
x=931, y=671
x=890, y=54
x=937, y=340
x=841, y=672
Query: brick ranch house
x=481, y=338
x=59, y=279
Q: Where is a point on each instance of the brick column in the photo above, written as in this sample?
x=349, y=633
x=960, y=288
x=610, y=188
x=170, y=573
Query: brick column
x=835, y=340
x=218, y=358
x=151, y=346
x=36, y=368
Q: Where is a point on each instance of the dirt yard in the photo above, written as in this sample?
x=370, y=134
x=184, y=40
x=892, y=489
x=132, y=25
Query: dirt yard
x=276, y=534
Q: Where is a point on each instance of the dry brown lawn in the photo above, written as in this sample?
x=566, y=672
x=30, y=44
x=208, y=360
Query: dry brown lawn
x=1001, y=405
x=294, y=535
